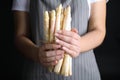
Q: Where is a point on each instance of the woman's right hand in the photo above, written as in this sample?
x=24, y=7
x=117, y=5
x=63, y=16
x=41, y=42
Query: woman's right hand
x=50, y=54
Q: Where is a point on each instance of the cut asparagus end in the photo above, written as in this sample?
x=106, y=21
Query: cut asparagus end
x=70, y=67
x=58, y=67
x=65, y=66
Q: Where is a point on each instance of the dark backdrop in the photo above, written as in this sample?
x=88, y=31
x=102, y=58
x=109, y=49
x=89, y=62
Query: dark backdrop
x=107, y=55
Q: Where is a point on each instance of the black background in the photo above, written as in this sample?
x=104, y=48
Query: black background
x=107, y=55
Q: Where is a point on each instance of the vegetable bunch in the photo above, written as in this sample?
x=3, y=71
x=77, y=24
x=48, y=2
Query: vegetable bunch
x=54, y=20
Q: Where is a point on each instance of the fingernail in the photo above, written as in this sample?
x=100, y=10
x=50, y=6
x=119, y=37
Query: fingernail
x=64, y=48
x=57, y=40
x=56, y=61
x=56, y=34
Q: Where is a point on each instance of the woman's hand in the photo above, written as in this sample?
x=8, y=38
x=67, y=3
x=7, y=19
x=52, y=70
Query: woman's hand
x=70, y=41
x=49, y=54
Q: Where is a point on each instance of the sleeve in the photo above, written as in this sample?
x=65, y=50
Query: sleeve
x=21, y=5
x=92, y=1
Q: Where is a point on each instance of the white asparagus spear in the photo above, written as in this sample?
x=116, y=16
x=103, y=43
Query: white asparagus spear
x=46, y=26
x=52, y=25
x=70, y=67
x=52, y=15
x=46, y=30
x=58, y=27
x=61, y=19
x=67, y=19
x=67, y=67
x=58, y=16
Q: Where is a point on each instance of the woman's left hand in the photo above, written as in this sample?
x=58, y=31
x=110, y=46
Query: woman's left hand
x=70, y=40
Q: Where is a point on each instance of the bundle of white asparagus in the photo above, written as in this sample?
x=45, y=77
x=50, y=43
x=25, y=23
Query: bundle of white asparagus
x=59, y=19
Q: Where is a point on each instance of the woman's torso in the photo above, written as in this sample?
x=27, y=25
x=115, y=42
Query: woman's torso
x=84, y=67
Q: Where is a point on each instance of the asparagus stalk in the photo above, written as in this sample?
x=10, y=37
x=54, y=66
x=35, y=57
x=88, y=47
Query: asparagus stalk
x=61, y=19
x=52, y=30
x=58, y=17
x=46, y=26
x=67, y=63
x=52, y=25
x=58, y=27
x=70, y=66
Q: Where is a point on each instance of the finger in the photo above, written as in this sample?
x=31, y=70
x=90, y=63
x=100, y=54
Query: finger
x=64, y=44
x=51, y=59
x=74, y=30
x=49, y=64
x=51, y=46
x=70, y=52
x=68, y=33
x=67, y=39
x=63, y=37
x=53, y=53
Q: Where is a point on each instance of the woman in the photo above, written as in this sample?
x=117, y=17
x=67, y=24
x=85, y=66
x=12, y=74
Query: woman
x=88, y=19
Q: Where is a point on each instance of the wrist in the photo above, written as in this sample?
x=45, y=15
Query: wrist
x=36, y=54
x=80, y=45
